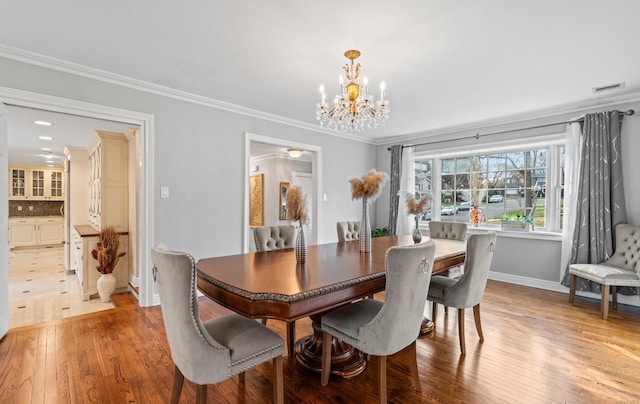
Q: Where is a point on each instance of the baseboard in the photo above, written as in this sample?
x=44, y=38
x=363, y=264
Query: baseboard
x=556, y=287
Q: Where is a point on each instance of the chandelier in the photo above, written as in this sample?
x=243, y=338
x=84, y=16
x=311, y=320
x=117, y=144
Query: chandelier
x=354, y=108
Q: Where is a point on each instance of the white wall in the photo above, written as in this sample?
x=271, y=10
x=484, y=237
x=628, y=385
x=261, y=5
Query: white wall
x=199, y=155
x=529, y=260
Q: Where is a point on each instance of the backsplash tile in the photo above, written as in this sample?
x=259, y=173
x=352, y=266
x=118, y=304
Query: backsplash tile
x=40, y=208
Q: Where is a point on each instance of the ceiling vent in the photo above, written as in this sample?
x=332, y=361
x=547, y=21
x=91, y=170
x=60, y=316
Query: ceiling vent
x=608, y=87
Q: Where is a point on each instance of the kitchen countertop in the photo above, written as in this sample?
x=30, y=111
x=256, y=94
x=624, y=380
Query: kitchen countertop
x=86, y=230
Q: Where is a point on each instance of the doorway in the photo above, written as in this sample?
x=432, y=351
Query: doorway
x=274, y=148
x=144, y=201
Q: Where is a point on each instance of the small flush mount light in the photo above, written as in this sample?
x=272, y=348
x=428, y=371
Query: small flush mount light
x=295, y=153
x=45, y=148
x=43, y=123
x=45, y=138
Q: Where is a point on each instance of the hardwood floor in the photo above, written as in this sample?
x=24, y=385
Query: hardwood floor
x=537, y=349
x=40, y=289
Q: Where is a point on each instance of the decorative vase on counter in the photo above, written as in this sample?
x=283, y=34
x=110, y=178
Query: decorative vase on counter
x=475, y=215
x=106, y=284
x=417, y=236
x=365, y=228
x=301, y=246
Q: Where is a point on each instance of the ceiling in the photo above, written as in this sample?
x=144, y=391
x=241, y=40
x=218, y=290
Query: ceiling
x=445, y=64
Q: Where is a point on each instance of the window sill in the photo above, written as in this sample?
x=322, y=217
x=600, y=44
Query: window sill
x=535, y=235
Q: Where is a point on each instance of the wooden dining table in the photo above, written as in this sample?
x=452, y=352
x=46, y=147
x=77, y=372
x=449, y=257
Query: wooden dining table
x=272, y=285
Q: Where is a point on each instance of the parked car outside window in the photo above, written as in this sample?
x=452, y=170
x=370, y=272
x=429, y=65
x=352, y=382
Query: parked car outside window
x=449, y=210
x=496, y=198
x=465, y=206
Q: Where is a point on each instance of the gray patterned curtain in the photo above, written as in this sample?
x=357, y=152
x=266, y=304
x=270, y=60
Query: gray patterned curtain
x=394, y=185
x=600, y=194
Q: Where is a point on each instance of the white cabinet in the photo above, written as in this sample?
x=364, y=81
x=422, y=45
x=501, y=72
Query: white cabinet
x=35, y=231
x=35, y=183
x=86, y=271
x=109, y=180
x=22, y=232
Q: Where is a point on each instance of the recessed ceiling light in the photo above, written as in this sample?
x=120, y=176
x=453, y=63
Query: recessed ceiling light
x=50, y=161
x=45, y=137
x=43, y=123
x=46, y=148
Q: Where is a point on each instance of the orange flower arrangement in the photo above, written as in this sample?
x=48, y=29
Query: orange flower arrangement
x=475, y=214
x=106, y=252
x=369, y=186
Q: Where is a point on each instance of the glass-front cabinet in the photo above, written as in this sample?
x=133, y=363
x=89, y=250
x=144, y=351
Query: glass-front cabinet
x=35, y=183
x=17, y=183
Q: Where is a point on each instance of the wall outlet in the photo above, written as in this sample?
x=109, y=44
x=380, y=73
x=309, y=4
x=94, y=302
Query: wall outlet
x=19, y=207
x=164, y=192
x=30, y=207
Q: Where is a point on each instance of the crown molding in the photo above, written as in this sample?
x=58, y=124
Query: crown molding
x=48, y=62
x=557, y=111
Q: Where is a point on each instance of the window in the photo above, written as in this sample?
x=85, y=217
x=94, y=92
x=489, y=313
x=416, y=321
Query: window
x=503, y=183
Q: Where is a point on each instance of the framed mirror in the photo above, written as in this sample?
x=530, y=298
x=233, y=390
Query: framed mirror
x=284, y=186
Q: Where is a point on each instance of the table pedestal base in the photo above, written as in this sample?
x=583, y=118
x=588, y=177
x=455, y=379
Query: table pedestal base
x=345, y=360
x=427, y=326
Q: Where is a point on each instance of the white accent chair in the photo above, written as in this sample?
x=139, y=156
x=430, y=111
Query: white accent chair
x=467, y=290
x=212, y=351
x=385, y=328
x=348, y=231
x=622, y=269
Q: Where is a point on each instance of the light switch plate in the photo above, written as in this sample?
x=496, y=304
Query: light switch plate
x=164, y=192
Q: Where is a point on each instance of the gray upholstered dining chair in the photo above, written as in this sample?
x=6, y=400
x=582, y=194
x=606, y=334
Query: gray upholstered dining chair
x=211, y=351
x=622, y=269
x=384, y=328
x=467, y=290
x=269, y=238
x=348, y=230
x=448, y=230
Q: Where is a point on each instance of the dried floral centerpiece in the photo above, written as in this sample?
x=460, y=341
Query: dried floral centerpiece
x=368, y=189
x=416, y=206
x=297, y=212
x=107, y=255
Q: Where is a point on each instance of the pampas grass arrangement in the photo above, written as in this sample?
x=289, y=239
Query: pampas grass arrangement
x=106, y=252
x=296, y=205
x=369, y=186
x=415, y=206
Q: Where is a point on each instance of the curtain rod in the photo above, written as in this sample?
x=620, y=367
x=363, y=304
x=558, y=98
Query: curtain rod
x=477, y=135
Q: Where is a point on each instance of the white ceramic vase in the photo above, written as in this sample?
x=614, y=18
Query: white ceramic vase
x=106, y=285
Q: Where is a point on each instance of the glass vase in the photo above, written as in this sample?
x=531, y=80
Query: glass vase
x=417, y=236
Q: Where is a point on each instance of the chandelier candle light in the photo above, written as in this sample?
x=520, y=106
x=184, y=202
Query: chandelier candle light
x=354, y=108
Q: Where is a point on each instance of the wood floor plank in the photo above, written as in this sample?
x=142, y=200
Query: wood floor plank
x=537, y=348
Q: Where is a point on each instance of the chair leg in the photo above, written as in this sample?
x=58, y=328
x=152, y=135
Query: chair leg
x=572, y=288
x=278, y=381
x=178, y=380
x=604, y=304
x=264, y=321
x=614, y=292
x=242, y=376
x=434, y=311
x=446, y=310
x=476, y=317
x=413, y=365
x=326, y=358
x=461, y=330
x=291, y=338
x=201, y=393
x=382, y=379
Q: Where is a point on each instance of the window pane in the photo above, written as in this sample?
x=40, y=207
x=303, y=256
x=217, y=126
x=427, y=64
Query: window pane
x=423, y=184
x=448, y=166
x=515, y=160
